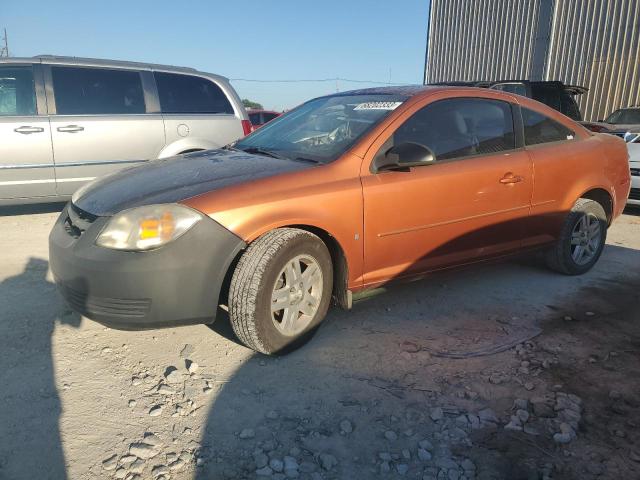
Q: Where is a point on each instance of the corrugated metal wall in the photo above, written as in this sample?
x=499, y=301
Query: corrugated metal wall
x=594, y=43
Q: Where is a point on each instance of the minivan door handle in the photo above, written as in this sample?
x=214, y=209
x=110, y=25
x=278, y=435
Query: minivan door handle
x=510, y=178
x=26, y=130
x=70, y=129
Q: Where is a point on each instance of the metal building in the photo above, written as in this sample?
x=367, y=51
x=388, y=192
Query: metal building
x=592, y=43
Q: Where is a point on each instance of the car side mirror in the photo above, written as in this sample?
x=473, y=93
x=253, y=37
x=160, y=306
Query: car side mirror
x=404, y=156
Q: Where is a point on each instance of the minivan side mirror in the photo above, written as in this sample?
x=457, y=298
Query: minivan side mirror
x=404, y=156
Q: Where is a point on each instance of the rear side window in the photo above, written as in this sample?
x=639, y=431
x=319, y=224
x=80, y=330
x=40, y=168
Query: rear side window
x=267, y=117
x=95, y=91
x=17, y=92
x=460, y=127
x=539, y=128
x=188, y=94
x=254, y=118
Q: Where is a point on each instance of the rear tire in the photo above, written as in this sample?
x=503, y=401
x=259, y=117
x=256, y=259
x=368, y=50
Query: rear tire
x=581, y=241
x=274, y=306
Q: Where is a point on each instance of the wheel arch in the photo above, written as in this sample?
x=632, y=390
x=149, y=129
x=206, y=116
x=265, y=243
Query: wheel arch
x=184, y=145
x=604, y=198
x=341, y=294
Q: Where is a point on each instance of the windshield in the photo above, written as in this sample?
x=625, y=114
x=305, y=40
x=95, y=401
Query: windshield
x=322, y=129
x=624, y=116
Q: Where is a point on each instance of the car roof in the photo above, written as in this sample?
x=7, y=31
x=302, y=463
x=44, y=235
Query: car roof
x=101, y=62
x=404, y=90
x=571, y=89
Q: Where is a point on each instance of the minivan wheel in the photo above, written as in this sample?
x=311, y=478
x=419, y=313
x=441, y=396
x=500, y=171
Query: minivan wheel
x=582, y=239
x=280, y=290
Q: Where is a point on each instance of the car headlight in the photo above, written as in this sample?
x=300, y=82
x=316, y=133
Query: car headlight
x=144, y=228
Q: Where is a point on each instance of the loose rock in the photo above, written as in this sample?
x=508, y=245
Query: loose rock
x=327, y=461
x=110, y=463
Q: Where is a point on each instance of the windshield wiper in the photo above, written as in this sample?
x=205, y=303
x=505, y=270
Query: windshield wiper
x=264, y=151
x=305, y=159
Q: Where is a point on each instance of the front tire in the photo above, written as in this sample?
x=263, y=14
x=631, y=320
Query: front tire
x=582, y=239
x=280, y=290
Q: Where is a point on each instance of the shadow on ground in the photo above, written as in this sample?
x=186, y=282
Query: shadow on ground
x=30, y=443
x=358, y=398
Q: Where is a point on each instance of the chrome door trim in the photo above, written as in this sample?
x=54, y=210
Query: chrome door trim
x=48, y=180
x=68, y=164
x=98, y=162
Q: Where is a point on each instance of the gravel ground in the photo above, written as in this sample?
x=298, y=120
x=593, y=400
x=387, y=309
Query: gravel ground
x=393, y=389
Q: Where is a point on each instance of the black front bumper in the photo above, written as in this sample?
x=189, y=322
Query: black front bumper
x=177, y=284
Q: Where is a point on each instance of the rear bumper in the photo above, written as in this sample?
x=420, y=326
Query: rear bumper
x=177, y=284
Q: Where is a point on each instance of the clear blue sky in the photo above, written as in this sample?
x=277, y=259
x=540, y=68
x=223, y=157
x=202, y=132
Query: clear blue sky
x=255, y=39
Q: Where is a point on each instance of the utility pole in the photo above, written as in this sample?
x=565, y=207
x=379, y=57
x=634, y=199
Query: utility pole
x=4, y=51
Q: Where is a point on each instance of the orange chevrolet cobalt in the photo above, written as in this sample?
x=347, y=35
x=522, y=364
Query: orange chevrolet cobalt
x=345, y=192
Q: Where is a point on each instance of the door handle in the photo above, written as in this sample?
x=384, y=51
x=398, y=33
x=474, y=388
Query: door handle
x=26, y=130
x=510, y=178
x=70, y=129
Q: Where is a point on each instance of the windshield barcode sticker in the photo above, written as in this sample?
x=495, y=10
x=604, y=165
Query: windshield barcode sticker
x=378, y=106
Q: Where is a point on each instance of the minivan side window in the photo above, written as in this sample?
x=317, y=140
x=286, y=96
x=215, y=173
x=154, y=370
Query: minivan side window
x=539, y=128
x=460, y=127
x=17, y=91
x=188, y=94
x=95, y=91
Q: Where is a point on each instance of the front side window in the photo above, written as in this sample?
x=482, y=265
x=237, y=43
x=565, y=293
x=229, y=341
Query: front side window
x=322, y=129
x=17, y=92
x=460, y=127
x=188, y=94
x=624, y=116
x=97, y=91
x=539, y=128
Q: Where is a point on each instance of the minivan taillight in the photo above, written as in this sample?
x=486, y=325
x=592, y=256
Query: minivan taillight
x=246, y=127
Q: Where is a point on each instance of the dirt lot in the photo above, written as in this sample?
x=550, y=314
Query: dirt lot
x=393, y=389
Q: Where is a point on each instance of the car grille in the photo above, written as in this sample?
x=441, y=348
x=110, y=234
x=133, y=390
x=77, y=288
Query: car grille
x=90, y=305
x=635, y=172
x=77, y=221
x=634, y=194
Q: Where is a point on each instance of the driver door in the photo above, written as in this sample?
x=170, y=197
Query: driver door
x=471, y=203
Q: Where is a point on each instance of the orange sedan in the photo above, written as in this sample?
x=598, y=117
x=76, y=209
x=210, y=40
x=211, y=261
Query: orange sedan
x=345, y=192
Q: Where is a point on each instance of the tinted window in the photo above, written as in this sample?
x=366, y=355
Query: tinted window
x=539, y=128
x=267, y=117
x=17, y=92
x=460, y=127
x=86, y=91
x=187, y=94
x=625, y=115
x=548, y=95
x=569, y=107
x=254, y=118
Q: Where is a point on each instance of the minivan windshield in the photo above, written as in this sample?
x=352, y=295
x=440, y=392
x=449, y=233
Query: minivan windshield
x=322, y=129
x=624, y=116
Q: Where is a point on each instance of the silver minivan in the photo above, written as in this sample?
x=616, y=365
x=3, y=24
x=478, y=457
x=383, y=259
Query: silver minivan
x=65, y=120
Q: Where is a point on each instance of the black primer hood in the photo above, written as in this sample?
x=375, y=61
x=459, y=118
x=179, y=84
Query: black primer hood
x=177, y=178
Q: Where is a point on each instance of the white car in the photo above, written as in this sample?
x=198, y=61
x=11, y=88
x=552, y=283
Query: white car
x=65, y=120
x=634, y=163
